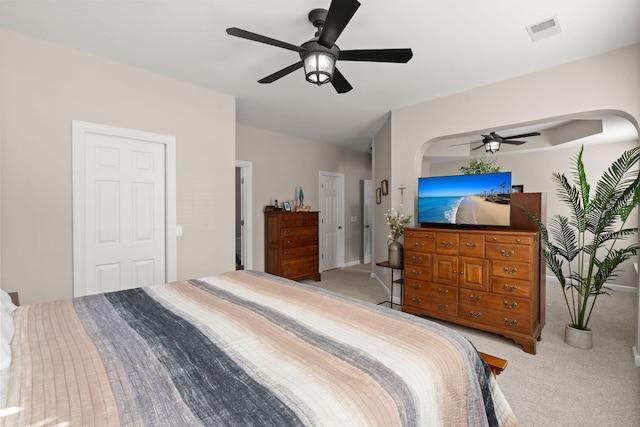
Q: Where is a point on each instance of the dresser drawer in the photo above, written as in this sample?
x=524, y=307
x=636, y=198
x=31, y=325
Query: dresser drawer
x=417, y=272
x=294, y=242
x=301, y=251
x=419, y=233
x=504, y=251
x=418, y=244
x=431, y=290
x=471, y=245
x=510, y=239
x=513, y=270
x=419, y=259
x=299, y=219
x=287, y=232
x=496, y=318
x=299, y=266
x=434, y=305
x=447, y=243
x=511, y=287
x=504, y=303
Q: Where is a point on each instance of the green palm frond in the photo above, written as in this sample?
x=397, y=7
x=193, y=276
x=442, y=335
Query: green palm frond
x=589, y=238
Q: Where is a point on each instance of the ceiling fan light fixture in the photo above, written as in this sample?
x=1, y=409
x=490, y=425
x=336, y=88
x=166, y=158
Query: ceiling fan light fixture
x=492, y=146
x=319, y=67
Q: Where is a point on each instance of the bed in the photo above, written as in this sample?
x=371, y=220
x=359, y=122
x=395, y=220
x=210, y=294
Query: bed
x=240, y=349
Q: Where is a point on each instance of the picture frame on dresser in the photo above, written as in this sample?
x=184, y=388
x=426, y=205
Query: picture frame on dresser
x=286, y=206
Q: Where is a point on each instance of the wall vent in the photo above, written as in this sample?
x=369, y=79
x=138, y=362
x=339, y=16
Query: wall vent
x=544, y=29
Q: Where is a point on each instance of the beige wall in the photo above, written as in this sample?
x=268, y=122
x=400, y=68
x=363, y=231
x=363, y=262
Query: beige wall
x=281, y=164
x=382, y=170
x=607, y=82
x=537, y=179
x=43, y=87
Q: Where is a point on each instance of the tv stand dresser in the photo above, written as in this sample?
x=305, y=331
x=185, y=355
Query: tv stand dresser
x=485, y=279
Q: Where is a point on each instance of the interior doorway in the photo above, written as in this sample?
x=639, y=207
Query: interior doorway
x=244, y=228
x=331, y=220
x=367, y=218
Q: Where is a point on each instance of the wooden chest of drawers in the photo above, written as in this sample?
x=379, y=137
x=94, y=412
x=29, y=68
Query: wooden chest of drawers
x=488, y=280
x=291, y=244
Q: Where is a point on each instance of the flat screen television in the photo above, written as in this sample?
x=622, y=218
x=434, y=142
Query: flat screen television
x=471, y=200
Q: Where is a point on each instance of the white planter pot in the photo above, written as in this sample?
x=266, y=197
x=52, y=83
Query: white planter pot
x=578, y=338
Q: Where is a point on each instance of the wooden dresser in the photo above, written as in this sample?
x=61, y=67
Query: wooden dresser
x=484, y=279
x=291, y=244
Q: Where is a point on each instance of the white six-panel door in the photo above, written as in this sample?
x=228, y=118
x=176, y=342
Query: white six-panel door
x=123, y=213
x=331, y=220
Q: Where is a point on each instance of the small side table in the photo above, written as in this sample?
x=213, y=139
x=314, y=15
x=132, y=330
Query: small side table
x=399, y=281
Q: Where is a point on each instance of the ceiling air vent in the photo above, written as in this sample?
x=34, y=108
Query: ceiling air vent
x=544, y=29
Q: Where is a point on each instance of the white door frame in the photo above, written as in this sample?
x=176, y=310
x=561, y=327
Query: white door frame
x=340, y=243
x=247, y=212
x=79, y=131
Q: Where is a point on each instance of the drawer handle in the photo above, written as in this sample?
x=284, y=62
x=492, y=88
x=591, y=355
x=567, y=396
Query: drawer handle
x=513, y=270
x=474, y=315
x=446, y=244
x=508, y=288
x=475, y=298
x=495, y=239
x=471, y=245
x=443, y=307
x=419, y=245
x=505, y=253
x=443, y=291
x=512, y=305
x=416, y=286
x=286, y=232
x=517, y=240
x=417, y=273
x=416, y=300
x=288, y=252
x=416, y=258
x=507, y=323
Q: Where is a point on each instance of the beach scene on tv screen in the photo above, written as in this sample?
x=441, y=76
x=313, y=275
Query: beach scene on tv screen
x=481, y=199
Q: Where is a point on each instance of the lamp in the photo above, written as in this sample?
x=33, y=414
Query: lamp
x=319, y=66
x=492, y=146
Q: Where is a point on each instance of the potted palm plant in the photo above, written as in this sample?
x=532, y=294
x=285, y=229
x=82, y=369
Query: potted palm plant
x=584, y=248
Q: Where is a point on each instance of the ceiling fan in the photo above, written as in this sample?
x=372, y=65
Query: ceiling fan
x=320, y=54
x=492, y=142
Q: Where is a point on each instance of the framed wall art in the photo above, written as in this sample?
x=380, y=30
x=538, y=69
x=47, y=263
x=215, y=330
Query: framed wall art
x=384, y=185
x=378, y=195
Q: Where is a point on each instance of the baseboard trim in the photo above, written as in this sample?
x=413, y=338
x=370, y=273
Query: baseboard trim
x=352, y=263
x=396, y=300
x=613, y=287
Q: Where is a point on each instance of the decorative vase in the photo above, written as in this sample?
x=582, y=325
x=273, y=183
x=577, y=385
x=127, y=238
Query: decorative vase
x=578, y=338
x=395, y=253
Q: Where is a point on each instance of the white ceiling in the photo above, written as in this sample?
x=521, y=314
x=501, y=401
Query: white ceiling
x=457, y=45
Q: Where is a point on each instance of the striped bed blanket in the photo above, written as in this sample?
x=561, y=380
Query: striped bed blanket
x=241, y=349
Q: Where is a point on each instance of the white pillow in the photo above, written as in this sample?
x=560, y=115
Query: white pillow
x=5, y=302
x=6, y=329
x=6, y=333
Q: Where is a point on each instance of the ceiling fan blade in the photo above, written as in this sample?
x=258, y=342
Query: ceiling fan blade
x=340, y=84
x=479, y=146
x=514, y=142
x=262, y=39
x=339, y=14
x=377, y=55
x=524, y=135
x=279, y=74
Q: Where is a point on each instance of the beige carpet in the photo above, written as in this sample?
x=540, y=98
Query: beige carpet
x=560, y=385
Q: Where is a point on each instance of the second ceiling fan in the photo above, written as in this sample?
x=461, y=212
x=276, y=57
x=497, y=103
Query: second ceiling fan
x=493, y=141
x=319, y=55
